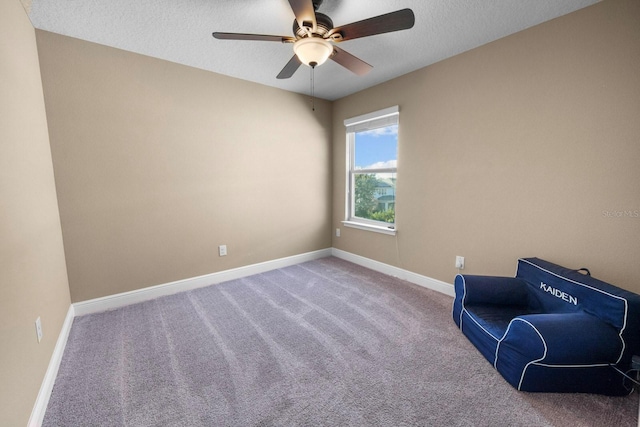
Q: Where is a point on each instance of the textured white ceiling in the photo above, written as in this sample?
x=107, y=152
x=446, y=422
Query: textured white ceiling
x=180, y=31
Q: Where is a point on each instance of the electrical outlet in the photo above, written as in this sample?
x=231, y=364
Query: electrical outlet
x=337, y=232
x=222, y=250
x=460, y=262
x=39, y=329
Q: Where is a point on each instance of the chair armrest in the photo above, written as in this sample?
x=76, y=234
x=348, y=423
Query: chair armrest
x=559, y=352
x=563, y=339
x=472, y=289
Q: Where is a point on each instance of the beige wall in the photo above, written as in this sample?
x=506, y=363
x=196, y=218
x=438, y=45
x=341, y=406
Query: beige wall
x=157, y=164
x=33, y=279
x=517, y=148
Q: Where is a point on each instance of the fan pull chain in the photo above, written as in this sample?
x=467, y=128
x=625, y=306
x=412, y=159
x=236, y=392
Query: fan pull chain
x=313, y=102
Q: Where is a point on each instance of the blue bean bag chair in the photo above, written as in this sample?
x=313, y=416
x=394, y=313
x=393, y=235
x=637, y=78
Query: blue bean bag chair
x=551, y=329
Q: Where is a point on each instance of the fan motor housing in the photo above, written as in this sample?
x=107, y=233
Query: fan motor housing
x=324, y=25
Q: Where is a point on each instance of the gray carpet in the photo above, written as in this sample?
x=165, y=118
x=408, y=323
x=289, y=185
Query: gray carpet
x=324, y=343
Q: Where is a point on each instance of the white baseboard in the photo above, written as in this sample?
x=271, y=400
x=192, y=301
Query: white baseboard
x=139, y=295
x=40, y=407
x=409, y=276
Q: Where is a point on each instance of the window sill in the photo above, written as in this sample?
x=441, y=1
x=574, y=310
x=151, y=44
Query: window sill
x=370, y=227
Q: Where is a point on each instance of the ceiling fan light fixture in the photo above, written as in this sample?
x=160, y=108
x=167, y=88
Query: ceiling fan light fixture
x=313, y=51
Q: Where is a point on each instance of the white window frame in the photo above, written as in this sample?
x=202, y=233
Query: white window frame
x=374, y=120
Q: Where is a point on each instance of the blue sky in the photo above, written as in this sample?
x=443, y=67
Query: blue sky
x=377, y=147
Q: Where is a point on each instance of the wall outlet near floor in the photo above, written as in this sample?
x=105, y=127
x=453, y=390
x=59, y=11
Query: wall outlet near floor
x=337, y=232
x=39, y=329
x=222, y=250
x=460, y=262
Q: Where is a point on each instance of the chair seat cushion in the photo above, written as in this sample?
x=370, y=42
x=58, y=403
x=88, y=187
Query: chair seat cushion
x=495, y=318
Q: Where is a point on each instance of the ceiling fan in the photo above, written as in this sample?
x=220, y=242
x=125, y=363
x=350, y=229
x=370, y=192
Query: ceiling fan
x=315, y=36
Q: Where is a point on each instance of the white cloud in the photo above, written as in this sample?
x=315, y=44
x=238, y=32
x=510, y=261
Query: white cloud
x=385, y=131
x=382, y=165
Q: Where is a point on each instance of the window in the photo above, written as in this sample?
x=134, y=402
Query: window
x=372, y=160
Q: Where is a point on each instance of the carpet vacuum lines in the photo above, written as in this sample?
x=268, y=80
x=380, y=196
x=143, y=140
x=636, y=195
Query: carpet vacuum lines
x=387, y=322
x=367, y=339
x=328, y=342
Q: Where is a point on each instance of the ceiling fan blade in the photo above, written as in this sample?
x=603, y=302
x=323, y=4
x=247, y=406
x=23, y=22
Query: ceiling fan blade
x=394, y=21
x=350, y=62
x=304, y=12
x=258, y=37
x=290, y=68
